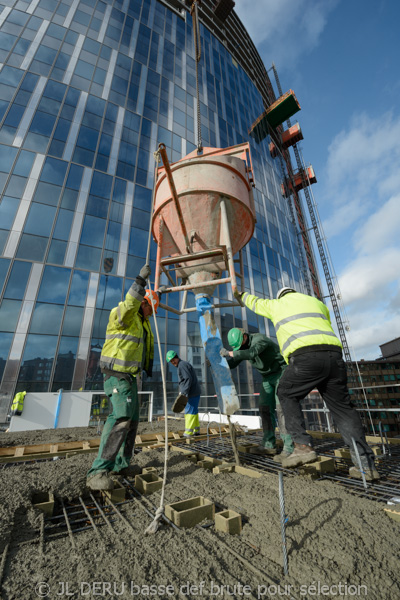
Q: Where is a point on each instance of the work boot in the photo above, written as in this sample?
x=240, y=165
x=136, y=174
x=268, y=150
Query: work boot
x=279, y=457
x=100, y=481
x=370, y=474
x=130, y=471
x=301, y=455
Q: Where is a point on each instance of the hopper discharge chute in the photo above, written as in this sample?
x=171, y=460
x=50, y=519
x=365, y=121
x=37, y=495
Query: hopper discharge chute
x=203, y=216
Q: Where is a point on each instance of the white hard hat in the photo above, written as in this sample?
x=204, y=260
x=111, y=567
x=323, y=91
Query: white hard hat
x=283, y=291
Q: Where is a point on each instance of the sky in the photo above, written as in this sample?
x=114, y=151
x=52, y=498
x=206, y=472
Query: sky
x=341, y=58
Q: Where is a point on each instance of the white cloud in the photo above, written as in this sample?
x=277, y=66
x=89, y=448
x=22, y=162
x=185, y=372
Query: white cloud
x=360, y=190
x=284, y=30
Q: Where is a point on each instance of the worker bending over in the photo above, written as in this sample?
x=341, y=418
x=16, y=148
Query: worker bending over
x=128, y=350
x=264, y=355
x=314, y=356
x=189, y=393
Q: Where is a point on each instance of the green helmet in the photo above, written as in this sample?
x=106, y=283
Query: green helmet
x=170, y=355
x=235, y=337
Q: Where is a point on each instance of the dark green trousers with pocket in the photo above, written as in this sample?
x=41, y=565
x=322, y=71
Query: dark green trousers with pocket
x=119, y=432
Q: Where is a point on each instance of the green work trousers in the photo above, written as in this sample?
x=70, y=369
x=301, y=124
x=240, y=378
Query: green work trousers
x=270, y=410
x=119, y=432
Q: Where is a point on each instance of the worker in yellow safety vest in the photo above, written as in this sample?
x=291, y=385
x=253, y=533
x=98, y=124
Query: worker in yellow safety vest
x=314, y=356
x=127, y=351
x=17, y=405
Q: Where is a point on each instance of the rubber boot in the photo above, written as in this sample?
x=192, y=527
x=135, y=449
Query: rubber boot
x=269, y=441
x=367, y=465
x=301, y=455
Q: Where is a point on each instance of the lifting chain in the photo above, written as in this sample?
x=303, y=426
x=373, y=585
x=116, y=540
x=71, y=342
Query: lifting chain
x=197, y=57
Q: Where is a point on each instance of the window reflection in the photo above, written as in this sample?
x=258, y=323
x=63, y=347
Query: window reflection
x=18, y=280
x=46, y=318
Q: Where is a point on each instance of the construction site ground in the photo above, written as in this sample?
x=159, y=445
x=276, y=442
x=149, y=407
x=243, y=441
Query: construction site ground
x=340, y=545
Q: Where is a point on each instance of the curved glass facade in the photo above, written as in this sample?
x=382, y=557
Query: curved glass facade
x=87, y=91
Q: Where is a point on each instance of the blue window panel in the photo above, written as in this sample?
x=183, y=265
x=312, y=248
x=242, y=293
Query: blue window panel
x=84, y=69
x=69, y=199
x=24, y=163
x=99, y=76
x=21, y=47
x=14, y=115
x=46, y=55
x=79, y=284
x=62, y=61
x=56, y=31
x=132, y=121
x=140, y=218
x=119, y=191
x=83, y=157
x=16, y=186
x=3, y=107
x=42, y=123
x=54, y=286
x=93, y=231
x=142, y=198
x=8, y=209
x=63, y=225
x=72, y=96
x=17, y=17
x=101, y=185
x=119, y=85
x=5, y=344
x=65, y=364
x=9, y=313
x=46, y=193
x=40, y=219
x=109, y=292
x=146, y=128
x=38, y=357
x=133, y=266
x=54, y=90
x=4, y=264
x=143, y=159
x=105, y=144
x=113, y=236
x=88, y=258
x=74, y=177
x=7, y=156
x=54, y=171
x=111, y=112
x=125, y=171
x=46, y=318
x=95, y=105
x=138, y=242
x=127, y=153
x=72, y=320
x=32, y=247
x=101, y=162
x=62, y=130
x=18, y=279
x=57, y=251
x=49, y=106
x=87, y=138
x=97, y=207
x=116, y=212
x=82, y=18
x=6, y=41
x=29, y=82
x=91, y=46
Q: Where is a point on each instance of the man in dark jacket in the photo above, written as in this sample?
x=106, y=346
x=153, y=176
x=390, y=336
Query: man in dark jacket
x=189, y=393
x=264, y=355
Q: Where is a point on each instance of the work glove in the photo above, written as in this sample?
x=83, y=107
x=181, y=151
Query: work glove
x=180, y=403
x=161, y=290
x=143, y=275
x=225, y=353
x=238, y=296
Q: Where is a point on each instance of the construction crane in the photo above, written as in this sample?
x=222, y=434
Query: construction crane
x=304, y=175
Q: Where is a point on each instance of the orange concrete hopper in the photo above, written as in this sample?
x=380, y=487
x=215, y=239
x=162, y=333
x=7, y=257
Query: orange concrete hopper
x=203, y=215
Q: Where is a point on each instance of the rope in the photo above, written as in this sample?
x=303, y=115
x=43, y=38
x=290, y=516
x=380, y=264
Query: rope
x=197, y=52
x=153, y=527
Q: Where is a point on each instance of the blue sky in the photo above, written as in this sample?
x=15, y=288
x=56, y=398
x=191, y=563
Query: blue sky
x=341, y=58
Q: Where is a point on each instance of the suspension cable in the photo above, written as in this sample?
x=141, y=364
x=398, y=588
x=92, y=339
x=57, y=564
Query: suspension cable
x=152, y=528
x=197, y=57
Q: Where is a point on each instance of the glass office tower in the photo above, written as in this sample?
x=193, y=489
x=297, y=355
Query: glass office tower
x=88, y=88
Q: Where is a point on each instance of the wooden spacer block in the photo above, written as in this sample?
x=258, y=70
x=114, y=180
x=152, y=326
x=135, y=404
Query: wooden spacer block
x=43, y=501
x=147, y=483
x=117, y=494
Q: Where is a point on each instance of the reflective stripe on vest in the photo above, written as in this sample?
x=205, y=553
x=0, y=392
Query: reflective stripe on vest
x=304, y=334
x=126, y=337
x=299, y=316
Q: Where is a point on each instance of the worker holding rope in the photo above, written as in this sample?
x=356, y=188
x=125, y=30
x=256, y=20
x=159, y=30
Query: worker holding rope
x=264, y=355
x=128, y=350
